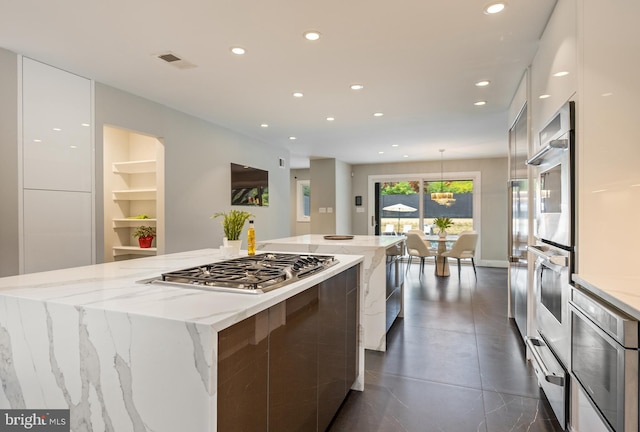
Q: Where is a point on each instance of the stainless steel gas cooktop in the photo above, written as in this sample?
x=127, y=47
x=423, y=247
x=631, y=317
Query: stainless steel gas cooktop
x=251, y=274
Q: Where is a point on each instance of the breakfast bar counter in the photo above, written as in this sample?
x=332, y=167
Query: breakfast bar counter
x=383, y=281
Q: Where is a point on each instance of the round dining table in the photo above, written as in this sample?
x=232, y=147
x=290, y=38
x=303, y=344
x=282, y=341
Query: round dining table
x=442, y=263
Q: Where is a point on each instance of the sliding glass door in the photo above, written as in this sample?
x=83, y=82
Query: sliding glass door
x=404, y=203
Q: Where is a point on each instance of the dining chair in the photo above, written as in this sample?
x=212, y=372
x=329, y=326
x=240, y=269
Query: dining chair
x=417, y=247
x=464, y=248
x=406, y=228
x=389, y=229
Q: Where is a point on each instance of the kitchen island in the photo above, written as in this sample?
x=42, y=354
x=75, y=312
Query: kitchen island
x=128, y=356
x=383, y=281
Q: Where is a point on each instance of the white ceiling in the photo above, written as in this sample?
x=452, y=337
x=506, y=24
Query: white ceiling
x=417, y=59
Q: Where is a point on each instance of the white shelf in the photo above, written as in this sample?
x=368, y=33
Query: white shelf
x=134, y=194
x=133, y=250
x=135, y=167
x=127, y=222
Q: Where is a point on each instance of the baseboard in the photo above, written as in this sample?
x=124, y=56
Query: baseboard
x=492, y=263
x=481, y=263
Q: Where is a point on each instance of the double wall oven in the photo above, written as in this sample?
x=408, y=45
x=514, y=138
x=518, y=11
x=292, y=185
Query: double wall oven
x=554, y=257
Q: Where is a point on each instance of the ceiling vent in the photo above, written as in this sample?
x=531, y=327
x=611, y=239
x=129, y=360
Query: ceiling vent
x=174, y=60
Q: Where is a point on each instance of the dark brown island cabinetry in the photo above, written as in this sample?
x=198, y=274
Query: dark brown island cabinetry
x=290, y=367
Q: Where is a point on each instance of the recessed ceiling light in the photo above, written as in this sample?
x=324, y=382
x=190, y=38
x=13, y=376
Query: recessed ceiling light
x=298, y=94
x=483, y=83
x=238, y=50
x=607, y=94
x=264, y=125
x=480, y=103
x=544, y=96
x=85, y=124
x=380, y=152
x=73, y=146
x=378, y=114
x=561, y=74
x=357, y=86
x=292, y=138
x=57, y=129
x=405, y=156
x=37, y=140
x=394, y=145
x=330, y=118
x=494, y=8
x=312, y=35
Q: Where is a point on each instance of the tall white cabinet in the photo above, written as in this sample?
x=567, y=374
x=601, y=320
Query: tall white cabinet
x=56, y=175
x=133, y=186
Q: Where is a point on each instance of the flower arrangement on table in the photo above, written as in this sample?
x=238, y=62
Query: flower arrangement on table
x=443, y=223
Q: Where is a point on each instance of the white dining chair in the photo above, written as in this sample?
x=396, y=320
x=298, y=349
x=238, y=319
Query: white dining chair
x=389, y=229
x=417, y=247
x=464, y=248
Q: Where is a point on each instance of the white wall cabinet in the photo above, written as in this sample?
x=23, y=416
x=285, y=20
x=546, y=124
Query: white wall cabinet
x=133, y=186
x=57, y=230
x=609, y=137
x=56, y=154
x=554, y=71
x=57, y=145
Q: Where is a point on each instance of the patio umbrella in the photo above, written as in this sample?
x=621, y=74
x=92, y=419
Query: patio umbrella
x=399, y=208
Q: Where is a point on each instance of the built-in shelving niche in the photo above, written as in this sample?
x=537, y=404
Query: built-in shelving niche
x=133, y=185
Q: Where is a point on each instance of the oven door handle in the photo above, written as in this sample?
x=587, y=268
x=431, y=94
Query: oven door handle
x=548, y=376
x=558, y=260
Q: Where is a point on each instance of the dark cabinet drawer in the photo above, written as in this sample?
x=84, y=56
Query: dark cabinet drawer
x=290, y=367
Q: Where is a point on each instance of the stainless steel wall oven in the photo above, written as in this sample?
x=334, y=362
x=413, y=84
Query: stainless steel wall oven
x=555, y=180
x=554, y=257
x=604, y=359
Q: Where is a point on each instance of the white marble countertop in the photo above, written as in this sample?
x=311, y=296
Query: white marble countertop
x=357, y=241
x=113, y=287
x=621, y=292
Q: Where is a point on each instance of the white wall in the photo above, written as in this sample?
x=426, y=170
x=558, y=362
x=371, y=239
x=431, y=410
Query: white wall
x=197, y=170
x=323, y=196
x=9, y=246
x=344, y=201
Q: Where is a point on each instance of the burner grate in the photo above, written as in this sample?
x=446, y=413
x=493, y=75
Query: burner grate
x=257, y=273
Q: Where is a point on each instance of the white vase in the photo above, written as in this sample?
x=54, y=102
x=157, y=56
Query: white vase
x=234, y=247
x=442, y=233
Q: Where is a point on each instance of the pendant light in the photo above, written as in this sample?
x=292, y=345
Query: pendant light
x=442, y=198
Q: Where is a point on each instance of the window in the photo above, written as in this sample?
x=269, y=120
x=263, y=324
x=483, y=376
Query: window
x=303, y=198
x=460, y=211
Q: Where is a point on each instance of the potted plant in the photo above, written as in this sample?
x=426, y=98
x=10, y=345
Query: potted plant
x=232, y=224
x=145, y=235
x=443, y=223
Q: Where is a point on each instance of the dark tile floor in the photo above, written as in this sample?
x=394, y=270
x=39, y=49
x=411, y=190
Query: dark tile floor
x=454, y=363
